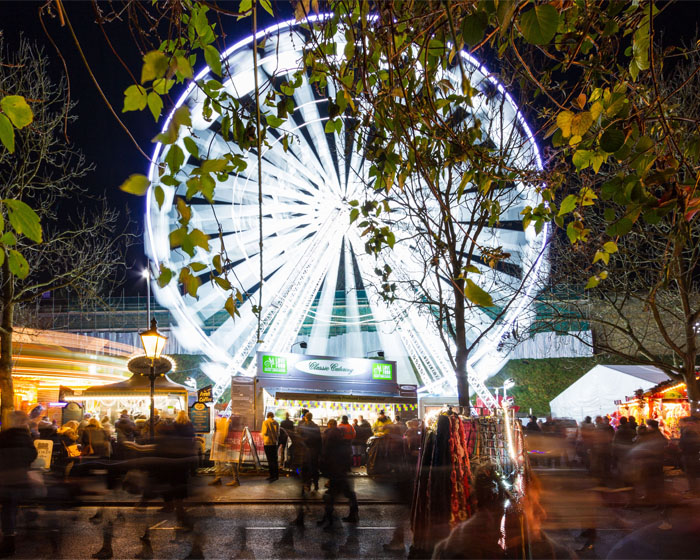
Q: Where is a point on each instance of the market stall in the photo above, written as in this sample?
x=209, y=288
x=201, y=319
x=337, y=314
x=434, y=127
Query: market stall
x=666, y=402
x=132, y=395
x=329, y=388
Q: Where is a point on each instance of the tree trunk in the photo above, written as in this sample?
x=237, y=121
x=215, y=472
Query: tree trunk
x=462, y=354
x=7, y=389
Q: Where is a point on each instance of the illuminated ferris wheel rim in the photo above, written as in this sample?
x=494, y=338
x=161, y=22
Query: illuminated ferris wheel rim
x=180, y=304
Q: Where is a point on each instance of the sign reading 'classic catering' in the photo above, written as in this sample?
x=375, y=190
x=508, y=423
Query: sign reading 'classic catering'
x=302, y=366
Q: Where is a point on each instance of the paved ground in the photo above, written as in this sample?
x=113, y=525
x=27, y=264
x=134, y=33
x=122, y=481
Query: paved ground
x=253, y=521
x=219, y=531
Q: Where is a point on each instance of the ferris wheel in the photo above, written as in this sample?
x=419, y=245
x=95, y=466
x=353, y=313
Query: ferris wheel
x=313, y=257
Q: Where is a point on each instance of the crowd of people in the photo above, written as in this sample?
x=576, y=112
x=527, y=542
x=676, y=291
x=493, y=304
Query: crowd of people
x=629, y=453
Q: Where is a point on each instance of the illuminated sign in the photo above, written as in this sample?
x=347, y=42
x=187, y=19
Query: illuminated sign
x=381, y=371
x=274, y=364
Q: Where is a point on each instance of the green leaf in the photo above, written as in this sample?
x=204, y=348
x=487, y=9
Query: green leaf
x=593, y=281
x=159, y=194
x=222, y=283
x=601, y=255
x=621, y=227
x=8, y=239
x=7, y=134
x=582, y=159
x=471, y=269
x=539, y=24
x=182, y=116
x=198, y=266
x=568, y=205
x=213, y=59
x=155, y=104
x=183, y=66
x=175, y=158
x=199, y=239
x=231, y=307
x=564, y=122
x=477, y=295
x=135, y=99
x=184, y=210
x=354, y=214
x=23, y=219
x=245, y=6
x=581, y=122
x=165, y=276
x=473, y=27
x=191, y=146
x=155, y=64
x=162, y=86
x=17, y=110
x=18, y=264
x=610, y=247
x=214, y=165
x=216, y=261
x=136, y=184
x=274, y=121
x=612, y=140
x=190, y=282
x=267, y=6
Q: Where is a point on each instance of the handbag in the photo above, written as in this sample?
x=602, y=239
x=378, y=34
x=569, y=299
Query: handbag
x=72, y=450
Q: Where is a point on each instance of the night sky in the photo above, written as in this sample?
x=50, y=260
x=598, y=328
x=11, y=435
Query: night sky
x=96, y=132
x=99, y=135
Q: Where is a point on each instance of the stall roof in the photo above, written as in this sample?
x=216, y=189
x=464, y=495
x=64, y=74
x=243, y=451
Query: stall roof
x=136, y=385
x=596, y=392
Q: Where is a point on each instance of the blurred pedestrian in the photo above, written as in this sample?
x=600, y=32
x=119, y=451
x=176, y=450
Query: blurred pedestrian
x=362, y=433
x=622, y=443
x=107, y=427
x=648, y=453
x=95, y=441
x=311, y=434
x=532, y=425
x=222, y=452
x=175, y=443
x=337, y=460
x=601, y=448
x=17, y=452
x=286, y=426
x=270, y=435
x=690, y=450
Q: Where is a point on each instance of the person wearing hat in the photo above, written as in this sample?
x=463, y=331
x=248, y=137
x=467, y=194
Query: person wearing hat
x=380, y=425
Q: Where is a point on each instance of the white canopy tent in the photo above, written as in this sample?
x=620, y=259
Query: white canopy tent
x=595, y=392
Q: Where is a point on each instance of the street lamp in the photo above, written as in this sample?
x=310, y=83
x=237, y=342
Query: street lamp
x=153, y=343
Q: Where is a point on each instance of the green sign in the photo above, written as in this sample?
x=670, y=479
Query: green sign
x=381, y=371
x=274, y=364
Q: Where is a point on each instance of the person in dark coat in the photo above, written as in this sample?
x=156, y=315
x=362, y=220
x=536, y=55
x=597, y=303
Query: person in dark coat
x=648, y=453
x=690, y=450
x=532, y=425
x=363, y=432
x=622, y=443
x=337, y=460
x=311, y=434
x=286, y=426
x=17, y=452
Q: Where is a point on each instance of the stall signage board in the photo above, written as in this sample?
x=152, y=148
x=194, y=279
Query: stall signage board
x=307, y=367
x=204, y=395
x=44, y=450
x=200, y=418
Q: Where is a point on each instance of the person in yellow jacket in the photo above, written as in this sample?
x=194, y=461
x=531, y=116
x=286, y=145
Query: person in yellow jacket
x=270, y=434
x=379, y=426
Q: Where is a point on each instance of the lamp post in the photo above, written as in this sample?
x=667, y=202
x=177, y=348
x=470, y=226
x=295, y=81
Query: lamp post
x=153, y=343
